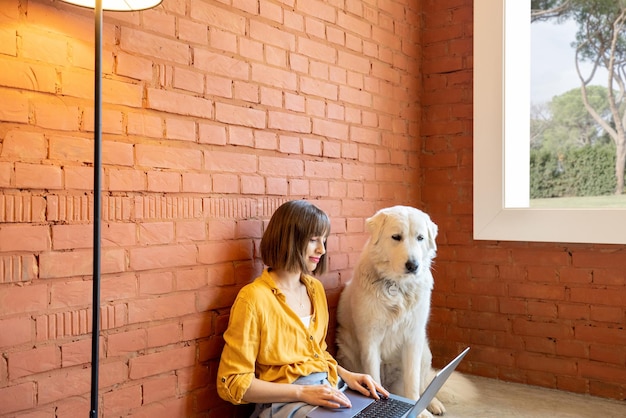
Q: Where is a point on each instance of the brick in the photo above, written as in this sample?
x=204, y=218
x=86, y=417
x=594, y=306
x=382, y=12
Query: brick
x=14, y=107
x=194, y=32
x=78, y=178
x=162, y=256
x=159, y=207
x=145, y=125
x=63, y=384
x=155, y=283
x=218, y=17
x=122, y=399
x=272, y=166
x=222, y=40
x=237, y=115
x=164, y=335
x=158, y=388
x=18, y=397
x=127, y=342
x=219, y=252
x=190, y=231
x=161, y=362
x=220, y=64
x=23, y=299
x=54, y=115
x=79, y=263
x=225, y=183
x=6, y=174
x=197, y=182
x=63, y=324
x=118, y=287
x=179, y=103
x=76, y=353
x=24, y=145
x=212, y=134
x=611, y=297
x=168, y=306
x=156, y=233
x=15, y=331
x=18, y=268
x=37, y=176
x=192, y=81
x=218, y=297
x=34, y=360
x=314, y=169
x=239, y=162
x=194, y=278
x=116, y=234
x=181, y=129
x=240, y=136
x=248, y=92
x=134, y=67
x=317, y=50
x=72, y=236
x=148, y=44
x=158, y=156
x=117, y=153
x=275, y=77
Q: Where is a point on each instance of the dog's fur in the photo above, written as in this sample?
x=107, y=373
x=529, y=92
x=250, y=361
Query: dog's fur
x=383, y=311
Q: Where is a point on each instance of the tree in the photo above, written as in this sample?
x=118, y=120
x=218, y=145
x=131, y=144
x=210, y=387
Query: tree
x=569, y=113
x=600, y=41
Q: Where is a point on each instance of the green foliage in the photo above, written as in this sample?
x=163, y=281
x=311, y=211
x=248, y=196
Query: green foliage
x=583, y=171
x=570, y=125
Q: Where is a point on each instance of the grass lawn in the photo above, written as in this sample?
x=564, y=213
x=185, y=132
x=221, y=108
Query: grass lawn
x=611, y=201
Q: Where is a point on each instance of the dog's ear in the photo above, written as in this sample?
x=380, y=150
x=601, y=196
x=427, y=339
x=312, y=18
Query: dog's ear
x=375, y=226
x=433, y=229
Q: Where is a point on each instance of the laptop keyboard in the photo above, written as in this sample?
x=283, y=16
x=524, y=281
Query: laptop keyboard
x=385, y=408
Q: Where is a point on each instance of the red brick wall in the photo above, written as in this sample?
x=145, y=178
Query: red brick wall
x=551, y=315
x=215, y=112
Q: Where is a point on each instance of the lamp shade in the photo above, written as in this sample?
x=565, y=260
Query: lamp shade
x=117, y=5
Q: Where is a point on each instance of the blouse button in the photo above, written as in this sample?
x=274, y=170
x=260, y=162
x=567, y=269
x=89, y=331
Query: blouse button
x=311, y=337
x=223, y=380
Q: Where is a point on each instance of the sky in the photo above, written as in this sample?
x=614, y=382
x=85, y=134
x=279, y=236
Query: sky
x=552, y=61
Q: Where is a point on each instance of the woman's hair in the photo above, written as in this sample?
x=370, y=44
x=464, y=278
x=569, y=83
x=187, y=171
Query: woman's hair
x=285, y=240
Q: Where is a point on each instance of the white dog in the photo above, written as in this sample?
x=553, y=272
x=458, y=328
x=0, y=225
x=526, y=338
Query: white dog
x=383, y=311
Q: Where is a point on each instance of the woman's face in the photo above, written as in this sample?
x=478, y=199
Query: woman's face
x=315, y=249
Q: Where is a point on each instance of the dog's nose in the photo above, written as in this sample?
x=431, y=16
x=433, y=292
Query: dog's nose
x=411, y=267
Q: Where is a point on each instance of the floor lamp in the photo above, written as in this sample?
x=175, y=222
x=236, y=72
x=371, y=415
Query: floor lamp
x=99, y=6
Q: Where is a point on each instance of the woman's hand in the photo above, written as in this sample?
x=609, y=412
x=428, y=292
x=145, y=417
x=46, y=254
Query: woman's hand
x=324, y=396
x=363, y=383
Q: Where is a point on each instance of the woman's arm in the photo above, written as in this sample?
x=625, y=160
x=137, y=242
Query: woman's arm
x=363, y=383
x=261, y=391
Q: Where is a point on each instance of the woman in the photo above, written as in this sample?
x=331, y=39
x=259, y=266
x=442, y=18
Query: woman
x=275, y=353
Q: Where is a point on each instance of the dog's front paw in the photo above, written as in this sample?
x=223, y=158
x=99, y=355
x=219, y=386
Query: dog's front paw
x=425, y=414
x=436, y=407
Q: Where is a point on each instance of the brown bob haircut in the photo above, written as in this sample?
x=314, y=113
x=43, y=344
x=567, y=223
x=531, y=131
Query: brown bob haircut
x=292, y=225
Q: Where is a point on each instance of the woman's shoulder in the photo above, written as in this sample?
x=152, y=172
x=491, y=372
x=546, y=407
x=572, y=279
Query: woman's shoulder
x=256, y=289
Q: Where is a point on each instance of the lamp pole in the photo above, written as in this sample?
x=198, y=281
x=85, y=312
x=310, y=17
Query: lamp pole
x=97, y=213
x=99, y=6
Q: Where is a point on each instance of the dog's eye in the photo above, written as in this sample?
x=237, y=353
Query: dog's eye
x=396, y=237
x=420, y=237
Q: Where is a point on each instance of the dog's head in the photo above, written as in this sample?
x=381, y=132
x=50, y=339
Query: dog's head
x=402, y=242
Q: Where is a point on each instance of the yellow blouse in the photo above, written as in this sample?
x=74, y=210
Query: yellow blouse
x=266, y=339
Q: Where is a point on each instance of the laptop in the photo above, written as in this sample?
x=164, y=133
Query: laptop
x=393, y=407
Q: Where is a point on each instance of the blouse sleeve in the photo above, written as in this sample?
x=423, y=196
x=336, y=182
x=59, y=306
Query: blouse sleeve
x=237, y=363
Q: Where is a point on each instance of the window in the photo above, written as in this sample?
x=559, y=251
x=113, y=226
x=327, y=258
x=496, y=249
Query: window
x=501, y=115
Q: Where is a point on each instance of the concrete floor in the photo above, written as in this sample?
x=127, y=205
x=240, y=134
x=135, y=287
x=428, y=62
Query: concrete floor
x=502, y=400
